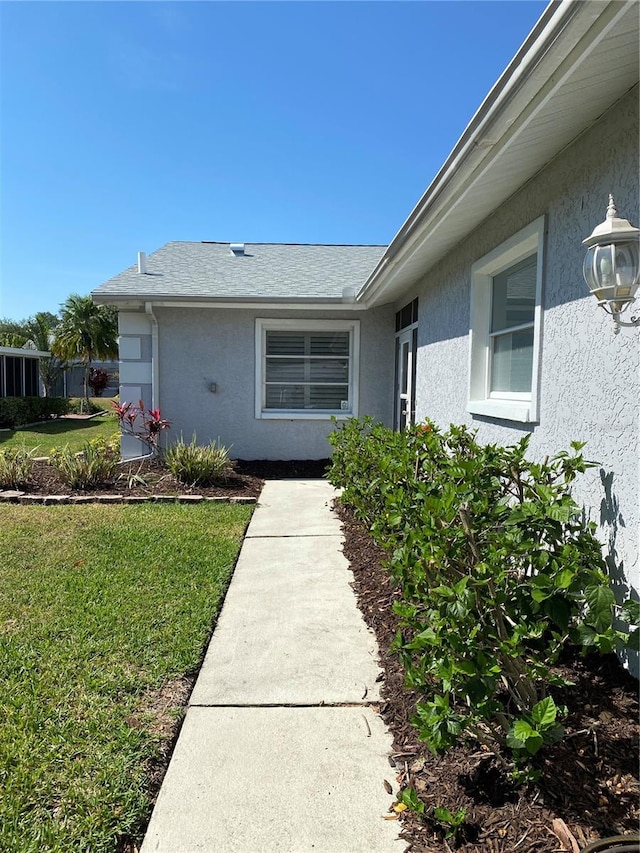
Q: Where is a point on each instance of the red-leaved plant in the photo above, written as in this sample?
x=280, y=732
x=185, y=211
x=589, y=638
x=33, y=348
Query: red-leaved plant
x=98, y=380
x=143, y=424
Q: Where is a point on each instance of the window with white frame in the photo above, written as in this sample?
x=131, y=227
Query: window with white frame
x=306, y=368
x=506, y=327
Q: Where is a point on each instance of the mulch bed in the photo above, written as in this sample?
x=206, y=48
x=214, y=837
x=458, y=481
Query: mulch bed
x=245, y=480
x=588, y=788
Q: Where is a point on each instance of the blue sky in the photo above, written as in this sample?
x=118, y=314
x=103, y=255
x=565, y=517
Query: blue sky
x=128, y=124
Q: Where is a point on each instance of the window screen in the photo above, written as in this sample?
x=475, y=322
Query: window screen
x=13, y=376
x=31, y=388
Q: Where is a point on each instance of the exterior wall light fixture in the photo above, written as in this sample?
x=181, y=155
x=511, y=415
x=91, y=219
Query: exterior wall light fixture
x=612, y=265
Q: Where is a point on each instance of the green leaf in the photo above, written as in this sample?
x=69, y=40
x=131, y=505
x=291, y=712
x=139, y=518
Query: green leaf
x=523, y=736
x=411, y=800
x=534, y=743
x=518, y=734
x=444, y=815
x=633, y=640
x=427, y=637
x=585, y=635
x=545, y=492
x=461, y=586
x=539, y=594
x=564, y=579
x=544, y=713
x=601, y=601
x=542, y=559
x=540, y=581
x=560, y=512
x=558, y=611
x=466, y=666
x=605, y=643
x=630, y=611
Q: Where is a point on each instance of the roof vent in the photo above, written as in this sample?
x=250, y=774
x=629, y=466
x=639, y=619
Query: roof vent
x=237, y=249
x=142, y=263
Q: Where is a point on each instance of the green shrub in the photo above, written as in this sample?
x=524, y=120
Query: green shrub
x=105, y=444
x=15, y=467
x=498, y=572
x=95, y=465
x=18, y=411
x=198, y=465
x=78, y=405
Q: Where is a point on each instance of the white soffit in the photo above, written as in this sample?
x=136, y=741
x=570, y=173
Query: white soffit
x=591, y=64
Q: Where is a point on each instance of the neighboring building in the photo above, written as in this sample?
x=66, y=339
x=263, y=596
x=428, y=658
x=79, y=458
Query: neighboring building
x=19, y=372
x=476, y=313
x=71, y=383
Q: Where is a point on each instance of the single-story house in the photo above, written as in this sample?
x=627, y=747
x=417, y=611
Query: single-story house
x=477, y=312
x=254, y=344
x=19, y=371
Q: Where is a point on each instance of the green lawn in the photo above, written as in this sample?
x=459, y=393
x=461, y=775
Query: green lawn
x=99, y=608
x=55, y=434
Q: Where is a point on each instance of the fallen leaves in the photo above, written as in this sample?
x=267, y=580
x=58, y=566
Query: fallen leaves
x=564, y=835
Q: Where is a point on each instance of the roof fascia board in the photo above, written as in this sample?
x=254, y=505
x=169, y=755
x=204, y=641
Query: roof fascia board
x=469, y=158
x=29, y=353
x=266, y=304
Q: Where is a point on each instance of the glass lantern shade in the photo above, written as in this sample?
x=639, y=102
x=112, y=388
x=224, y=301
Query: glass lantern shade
x=612, y=273
x=612, y=265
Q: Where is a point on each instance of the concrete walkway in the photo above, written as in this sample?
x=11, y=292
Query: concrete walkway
x=280, y=749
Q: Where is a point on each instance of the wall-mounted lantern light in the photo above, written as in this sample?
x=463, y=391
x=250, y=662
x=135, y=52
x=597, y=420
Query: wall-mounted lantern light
x=612, y=265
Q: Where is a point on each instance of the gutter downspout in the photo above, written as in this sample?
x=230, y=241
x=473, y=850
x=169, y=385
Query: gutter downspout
x=155, y=385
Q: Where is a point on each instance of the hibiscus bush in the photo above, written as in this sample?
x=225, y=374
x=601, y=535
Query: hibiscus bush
x=498, y=571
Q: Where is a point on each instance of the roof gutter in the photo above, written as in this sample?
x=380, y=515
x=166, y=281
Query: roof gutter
x=545, y=33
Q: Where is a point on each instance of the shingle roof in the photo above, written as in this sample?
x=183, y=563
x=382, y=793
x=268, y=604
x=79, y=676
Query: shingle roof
x=265, y=271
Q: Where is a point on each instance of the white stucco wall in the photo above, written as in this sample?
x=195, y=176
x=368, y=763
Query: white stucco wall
x=590, y=378
x=197, y=347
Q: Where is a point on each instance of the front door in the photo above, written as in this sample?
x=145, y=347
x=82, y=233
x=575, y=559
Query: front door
x=405, y=378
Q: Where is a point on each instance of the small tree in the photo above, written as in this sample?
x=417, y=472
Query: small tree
x=12, y=333
x=87, y=332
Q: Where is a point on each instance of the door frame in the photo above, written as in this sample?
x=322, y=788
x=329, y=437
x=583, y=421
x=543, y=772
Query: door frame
x=404, y=413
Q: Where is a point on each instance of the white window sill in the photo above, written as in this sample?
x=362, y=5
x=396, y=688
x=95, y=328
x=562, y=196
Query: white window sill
x=508, y=410
x=297, y=415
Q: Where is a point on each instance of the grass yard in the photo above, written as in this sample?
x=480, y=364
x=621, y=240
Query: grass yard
x=99, y=608
x=58, y=433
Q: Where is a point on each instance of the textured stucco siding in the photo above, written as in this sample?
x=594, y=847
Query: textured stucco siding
x=198, y=347
x=590, y=378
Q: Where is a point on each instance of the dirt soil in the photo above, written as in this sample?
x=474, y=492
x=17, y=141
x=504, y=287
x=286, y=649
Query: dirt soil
x=588, y=788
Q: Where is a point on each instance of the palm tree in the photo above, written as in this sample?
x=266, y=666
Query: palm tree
x=87, y=332
x=41, y=331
